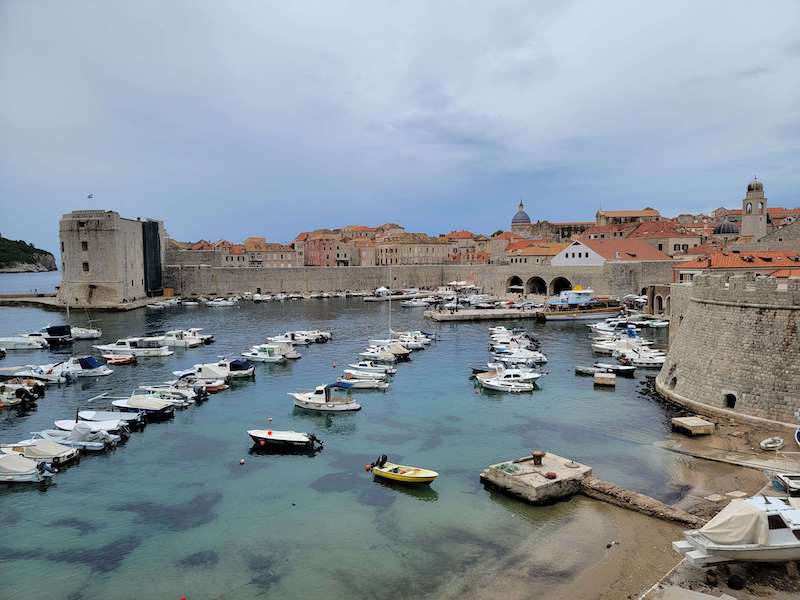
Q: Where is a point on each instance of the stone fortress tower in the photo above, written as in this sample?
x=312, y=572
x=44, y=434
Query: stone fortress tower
x=754, y=212
x=107, y=260
x=735, y=347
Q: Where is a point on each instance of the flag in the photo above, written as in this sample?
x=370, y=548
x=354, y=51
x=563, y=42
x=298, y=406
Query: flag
x=90, y=196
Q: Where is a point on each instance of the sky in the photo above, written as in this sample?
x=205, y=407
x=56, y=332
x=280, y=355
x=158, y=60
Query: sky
x=230, y=119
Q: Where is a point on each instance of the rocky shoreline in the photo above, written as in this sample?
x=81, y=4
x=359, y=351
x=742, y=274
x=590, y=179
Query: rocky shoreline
x=27, y=268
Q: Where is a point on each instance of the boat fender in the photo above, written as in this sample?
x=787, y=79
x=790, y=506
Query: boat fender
x=368, y=467
x=262, y=442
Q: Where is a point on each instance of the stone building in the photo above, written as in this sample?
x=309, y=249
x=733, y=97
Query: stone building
x=620, y=217
x=403, y=248
x=522, y=225
x=108, y=260
x=734, y=347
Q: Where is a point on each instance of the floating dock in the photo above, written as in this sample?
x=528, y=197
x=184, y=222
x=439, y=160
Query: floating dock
x=481, y=314
x=542, y=481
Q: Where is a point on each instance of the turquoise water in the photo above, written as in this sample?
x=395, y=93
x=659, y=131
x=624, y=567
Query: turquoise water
x=172, y=512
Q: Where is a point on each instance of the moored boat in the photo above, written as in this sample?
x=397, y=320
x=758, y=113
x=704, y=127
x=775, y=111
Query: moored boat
x=400, y=473
x=15, y=468
x=266, y=438
x=322, y=399
x=138, y=346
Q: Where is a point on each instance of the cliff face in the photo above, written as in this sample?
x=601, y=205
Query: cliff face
x=17, y=256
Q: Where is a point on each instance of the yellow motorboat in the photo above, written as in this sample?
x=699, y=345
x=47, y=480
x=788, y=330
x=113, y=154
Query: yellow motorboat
x=402, y=473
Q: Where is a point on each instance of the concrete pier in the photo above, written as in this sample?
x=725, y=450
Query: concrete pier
x=526, y=480
x=477, y=314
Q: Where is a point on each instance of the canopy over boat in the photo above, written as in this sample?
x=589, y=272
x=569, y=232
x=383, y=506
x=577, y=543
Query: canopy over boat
x=238, y=364
x=89, y=362
x=740, y=522
x=16, y=464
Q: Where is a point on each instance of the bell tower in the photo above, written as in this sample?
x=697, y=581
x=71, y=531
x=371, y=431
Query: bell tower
x=754, y=212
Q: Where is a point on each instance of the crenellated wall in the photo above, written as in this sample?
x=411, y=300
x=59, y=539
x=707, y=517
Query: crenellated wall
x=735, y=347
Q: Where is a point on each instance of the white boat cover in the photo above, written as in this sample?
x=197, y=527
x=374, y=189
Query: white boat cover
x=398, y=349
x=15, y=464
x=45, y=449
x=738, y=523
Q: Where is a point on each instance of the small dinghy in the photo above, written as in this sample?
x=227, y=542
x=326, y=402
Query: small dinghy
x=621, y=370
x=402, y=473
x=790, y=482
x=43, y=451
x=772, y=444
x=266, y=438
x=500, y=385
x=15, y=468
x=365, y=374
x=263, y=355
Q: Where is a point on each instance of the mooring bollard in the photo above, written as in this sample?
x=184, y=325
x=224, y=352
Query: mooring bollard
x=538, y=455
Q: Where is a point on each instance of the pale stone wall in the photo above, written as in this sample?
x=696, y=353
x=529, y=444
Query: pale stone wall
x=735, y=347
x=614, y=278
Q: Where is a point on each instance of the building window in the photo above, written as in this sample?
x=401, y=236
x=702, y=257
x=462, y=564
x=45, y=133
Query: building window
x=85, y=267
x=62, y=247
x=730, y=400
x=84, y=246
x=661, y=246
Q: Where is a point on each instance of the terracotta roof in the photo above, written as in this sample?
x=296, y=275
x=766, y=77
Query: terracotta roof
x=519, y=244
x=272, y=247
x=645, y=212
x=540, y=249
x=785, y=273
x=222, y=244
x=660, y=229
x=624, y=249
x=507, y=235
x=777, y=211
x=744, y=259
x=359, y=228
x=202, y=245
x=236, y=249
x=459, y=235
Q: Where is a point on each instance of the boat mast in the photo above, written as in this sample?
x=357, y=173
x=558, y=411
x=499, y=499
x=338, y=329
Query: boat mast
x=390, y=301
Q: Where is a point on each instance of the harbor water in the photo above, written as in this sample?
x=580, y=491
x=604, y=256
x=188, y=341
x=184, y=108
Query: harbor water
x=172, y=512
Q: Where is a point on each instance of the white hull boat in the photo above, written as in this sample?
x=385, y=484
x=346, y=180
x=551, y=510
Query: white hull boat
x=269, y=438
x=365, y=374
x=42, y=451
x=129, y=418
x=757, y=529
x=86, y=333
x=83, y=366
x=371, y=367
x=151, y=407
x=284, y=350
x=179, y=338
x=206, y=338
x=15, y=468
x=110, y=426
x=363, y=384
x=148, y=347
x=263, y=356
x=322, y=400
x=23, y=343
x=493, y=383
x=82, y=439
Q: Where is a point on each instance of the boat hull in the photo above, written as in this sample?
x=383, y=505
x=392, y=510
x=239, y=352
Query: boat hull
x=326, y=406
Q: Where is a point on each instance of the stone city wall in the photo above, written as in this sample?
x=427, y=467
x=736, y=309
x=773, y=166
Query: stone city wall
x=735, y=347
x=613, y=278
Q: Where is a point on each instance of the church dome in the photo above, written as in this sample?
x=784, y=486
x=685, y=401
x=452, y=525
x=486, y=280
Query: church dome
x=755, y=185
x=726, y=228
x=521, y=218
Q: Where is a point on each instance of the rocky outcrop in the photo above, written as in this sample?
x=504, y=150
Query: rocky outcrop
x=17, y=256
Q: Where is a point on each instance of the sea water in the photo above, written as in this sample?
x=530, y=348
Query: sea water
x=172, y=512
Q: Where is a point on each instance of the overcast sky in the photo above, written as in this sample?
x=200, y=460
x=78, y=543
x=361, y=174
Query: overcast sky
x=229, y=119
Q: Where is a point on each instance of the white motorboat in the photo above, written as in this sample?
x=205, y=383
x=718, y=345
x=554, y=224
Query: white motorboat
x=153, y=408
x=26, y=342
x=285, y=350
x=177, y=400
x=269, y=438
x=371, y=367
x=15, y=468
x=217, y=302
x=265, y=353
x=191, y=393
x=81, y=437
x=138, y=346
x=206, y=338
x=56, y=335
x=290, y=338
x=501, y=372
x=179, y=338
x=414, y=303
x=238, y=368
x=224, y=369
x=622, y=370
x=132, y=419
x=79, y=366
x=521, y=356
x=500, y=385
x=641, y=358
x=43, y=374
x=157, y=305
x=42, y=451
x=362, y=384
x=192, y=381
x=378, y=353
x=323, y=400
x=110, y=426
x=365, y=374
x=757, y=529
x=313, y=335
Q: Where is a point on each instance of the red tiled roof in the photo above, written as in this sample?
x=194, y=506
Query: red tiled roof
x=516, y=245
x=785, y=273
x=459, y=235
x=236, y=249
x=744, y=259
x=624, y=227
x=624, y=249
x=507, y=235
x=660, y=229
x=550, y=249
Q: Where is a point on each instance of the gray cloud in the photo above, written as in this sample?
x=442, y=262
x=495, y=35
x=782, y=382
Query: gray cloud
x=230, y=119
